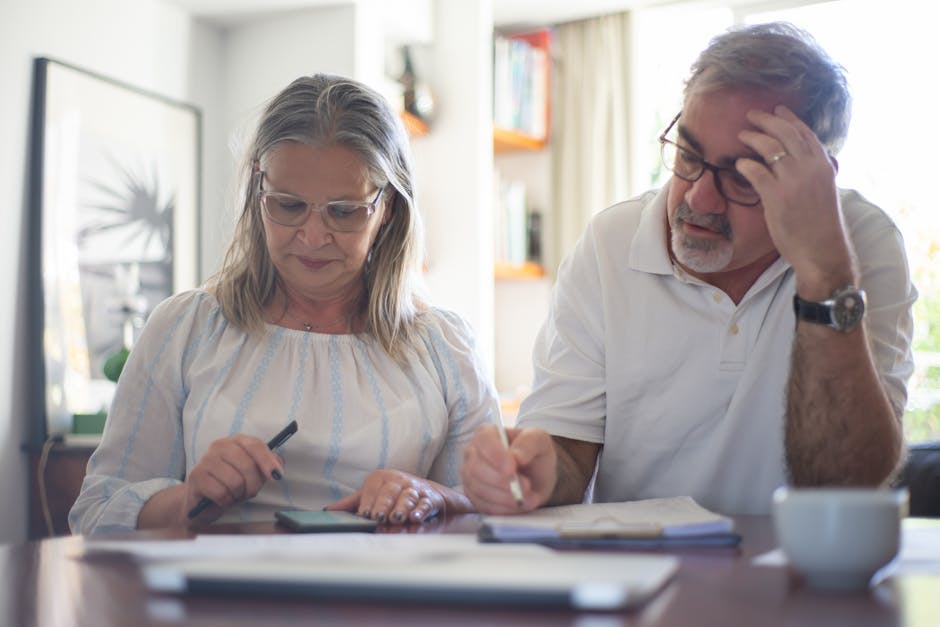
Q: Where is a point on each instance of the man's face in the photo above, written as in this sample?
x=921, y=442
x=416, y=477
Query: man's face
x=710, y=234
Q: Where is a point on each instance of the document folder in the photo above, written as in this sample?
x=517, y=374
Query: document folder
x=594, y=581
x=667, y=522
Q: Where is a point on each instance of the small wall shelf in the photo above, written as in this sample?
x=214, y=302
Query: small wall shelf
x=415, y=126
x=506, y=140
x=517, y=271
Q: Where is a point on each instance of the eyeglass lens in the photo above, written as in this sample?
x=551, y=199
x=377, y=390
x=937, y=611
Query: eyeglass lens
x=338, y=216
x=688, y=166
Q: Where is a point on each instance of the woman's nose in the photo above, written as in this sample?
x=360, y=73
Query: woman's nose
x=314, y=231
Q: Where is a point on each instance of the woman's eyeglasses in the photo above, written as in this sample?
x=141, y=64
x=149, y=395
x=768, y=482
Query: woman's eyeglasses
x=344, y=216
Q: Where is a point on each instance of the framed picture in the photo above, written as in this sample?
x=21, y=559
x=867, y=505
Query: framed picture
x=114, y=222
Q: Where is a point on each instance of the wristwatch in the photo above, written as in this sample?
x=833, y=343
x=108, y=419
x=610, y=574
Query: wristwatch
x=842, y=312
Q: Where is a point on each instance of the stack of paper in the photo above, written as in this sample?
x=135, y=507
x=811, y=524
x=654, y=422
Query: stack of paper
x=414, y=568
x=651, y=522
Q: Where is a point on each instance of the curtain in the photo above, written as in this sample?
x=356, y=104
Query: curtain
x=591, y=122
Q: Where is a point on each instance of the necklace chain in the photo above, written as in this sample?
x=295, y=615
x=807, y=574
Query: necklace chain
x=309, y=326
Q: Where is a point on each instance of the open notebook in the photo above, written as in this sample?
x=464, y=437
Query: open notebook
x=418, y=569
x=677, y=521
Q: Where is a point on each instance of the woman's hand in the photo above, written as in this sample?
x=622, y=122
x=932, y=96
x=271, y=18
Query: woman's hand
x=394, y=497
x=232, y=470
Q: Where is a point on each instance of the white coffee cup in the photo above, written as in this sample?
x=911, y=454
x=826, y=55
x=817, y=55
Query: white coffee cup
x=837, y=538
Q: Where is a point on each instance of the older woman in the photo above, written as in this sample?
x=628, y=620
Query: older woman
x=313, y=317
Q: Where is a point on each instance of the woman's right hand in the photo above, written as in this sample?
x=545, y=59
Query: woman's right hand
x=232, y=470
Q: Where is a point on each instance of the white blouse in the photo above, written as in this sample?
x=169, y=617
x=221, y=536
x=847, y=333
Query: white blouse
x=193, y=378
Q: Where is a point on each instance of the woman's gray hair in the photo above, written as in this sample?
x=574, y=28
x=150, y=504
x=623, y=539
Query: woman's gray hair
x=783, y=58
x=323, y=110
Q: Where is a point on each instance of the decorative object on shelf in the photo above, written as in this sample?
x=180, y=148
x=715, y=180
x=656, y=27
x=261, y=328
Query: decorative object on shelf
x=534, y=237
x=417, y=98
x=114, y=214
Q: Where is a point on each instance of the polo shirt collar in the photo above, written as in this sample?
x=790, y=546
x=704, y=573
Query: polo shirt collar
x=648, y=250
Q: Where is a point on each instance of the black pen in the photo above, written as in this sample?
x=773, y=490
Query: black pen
x=275, y=442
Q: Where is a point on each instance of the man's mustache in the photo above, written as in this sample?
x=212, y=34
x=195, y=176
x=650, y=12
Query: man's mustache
x=716, y=222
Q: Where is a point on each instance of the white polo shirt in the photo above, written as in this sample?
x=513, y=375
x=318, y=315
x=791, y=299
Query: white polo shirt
x=684, y=388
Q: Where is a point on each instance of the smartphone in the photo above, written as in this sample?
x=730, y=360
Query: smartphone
x=323, y=521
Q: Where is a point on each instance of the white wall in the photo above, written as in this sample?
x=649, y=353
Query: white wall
x=229, y=74
x=454, y=165
x=144, y=43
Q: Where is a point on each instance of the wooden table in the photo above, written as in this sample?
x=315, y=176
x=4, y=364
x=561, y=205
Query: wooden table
x=44, y=585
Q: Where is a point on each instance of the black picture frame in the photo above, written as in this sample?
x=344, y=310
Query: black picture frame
x=114, y=202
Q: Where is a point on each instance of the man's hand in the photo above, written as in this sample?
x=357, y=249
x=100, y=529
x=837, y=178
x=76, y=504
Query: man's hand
x=488, y=466
x=552, y=470
x=796, y=183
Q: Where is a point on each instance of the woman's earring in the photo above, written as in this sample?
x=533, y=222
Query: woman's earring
x=369, y=258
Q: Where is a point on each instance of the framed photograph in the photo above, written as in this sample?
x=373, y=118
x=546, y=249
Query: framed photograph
x=114, y=221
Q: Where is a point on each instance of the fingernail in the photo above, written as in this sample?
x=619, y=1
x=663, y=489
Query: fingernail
x=380, y=517
x=398, y=516
x=417, y=515
x=365, y=513
x=276, y=474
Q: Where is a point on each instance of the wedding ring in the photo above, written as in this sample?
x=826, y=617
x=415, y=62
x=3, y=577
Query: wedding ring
x=777, y=156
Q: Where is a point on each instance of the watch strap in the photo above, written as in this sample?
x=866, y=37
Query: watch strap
x=810, y=311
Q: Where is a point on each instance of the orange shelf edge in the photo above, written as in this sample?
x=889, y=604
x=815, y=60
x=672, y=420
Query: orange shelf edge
x=415, y=126
x=506, y=140
x=510, y=270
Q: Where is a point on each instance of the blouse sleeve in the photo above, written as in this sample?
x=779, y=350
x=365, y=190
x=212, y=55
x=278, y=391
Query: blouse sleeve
x=141, y=449
x=468, y=394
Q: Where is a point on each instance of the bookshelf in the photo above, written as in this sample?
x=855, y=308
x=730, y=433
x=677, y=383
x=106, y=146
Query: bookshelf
x=521, y=116
x=522, y=90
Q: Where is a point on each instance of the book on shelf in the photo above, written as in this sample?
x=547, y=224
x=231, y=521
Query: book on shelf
x=511, y=237
x=521, y=69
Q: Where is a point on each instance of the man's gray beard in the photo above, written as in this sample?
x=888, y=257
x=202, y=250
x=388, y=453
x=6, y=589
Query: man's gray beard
x=701, y=255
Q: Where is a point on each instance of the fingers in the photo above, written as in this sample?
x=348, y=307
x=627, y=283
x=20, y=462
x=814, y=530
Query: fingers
x=489, y=467
x=396, y=498
x=232, y=470
x=795, y=178
x=347, y=503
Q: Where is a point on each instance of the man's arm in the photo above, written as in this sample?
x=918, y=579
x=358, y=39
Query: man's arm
x=840, y=427
x=574, y=467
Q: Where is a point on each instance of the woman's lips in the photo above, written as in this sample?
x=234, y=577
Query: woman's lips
x=315, y=264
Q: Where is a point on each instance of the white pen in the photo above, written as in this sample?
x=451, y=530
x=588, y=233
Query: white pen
x=514, y=486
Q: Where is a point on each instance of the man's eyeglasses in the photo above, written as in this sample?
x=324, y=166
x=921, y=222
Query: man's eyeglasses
x=345, y=216
x=690, y=167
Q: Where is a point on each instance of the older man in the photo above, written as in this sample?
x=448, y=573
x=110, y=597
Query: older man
x=712, y=339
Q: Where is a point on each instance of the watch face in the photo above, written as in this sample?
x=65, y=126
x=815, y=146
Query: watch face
x=848, y=309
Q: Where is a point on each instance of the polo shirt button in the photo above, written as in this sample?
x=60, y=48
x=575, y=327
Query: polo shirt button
x=716, y=297
x=733, y=329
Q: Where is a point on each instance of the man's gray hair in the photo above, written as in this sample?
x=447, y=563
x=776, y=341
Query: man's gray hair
x=779, y=57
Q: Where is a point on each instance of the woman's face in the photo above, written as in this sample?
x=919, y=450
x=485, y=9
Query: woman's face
x=311, y=258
